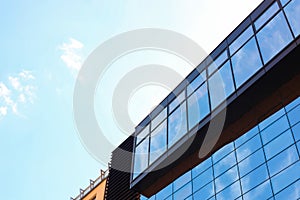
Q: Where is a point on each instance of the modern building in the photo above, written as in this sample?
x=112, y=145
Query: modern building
x=231, y=129
x=96, y=189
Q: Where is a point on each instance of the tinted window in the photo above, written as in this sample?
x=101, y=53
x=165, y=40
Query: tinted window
x=158, y=141
x=274, y=37
x=292, y=11
x=198, y=106
x=221, y=85
x=246, y=62
x=177, y=125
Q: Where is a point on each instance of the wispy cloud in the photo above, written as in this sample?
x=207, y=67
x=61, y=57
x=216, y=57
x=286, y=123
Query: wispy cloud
x=19, y=89
x=71, y=55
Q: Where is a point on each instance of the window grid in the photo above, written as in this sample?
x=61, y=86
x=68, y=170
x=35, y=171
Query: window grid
x=228, y=59
x=268, y=180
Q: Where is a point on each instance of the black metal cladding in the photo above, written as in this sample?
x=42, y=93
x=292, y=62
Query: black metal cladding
x=118, y=182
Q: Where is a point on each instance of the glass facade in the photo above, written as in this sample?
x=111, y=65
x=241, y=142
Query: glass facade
x=239, y=60
x=264, y=163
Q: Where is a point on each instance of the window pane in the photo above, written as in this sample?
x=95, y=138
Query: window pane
x=159, y=118
x=244, y=138
x=263, y=191
x=164, y=193
x=292, y=192
x=283, y=2
x=286, y=177
x=284, y=159
x=183, y=192
x=293, y=104
x=275, y=129
x=177, y=125
x=266, y=15
x=248, y=148
x=226, y=179
x=141, y=135
x=277, y=145
x=217, y=62
x=237, y=43
x=141, y=157
x=224, y=164
x=201, y=167
x=255, y=178
x=196, y=82
x=231, y=192
x=182, y=180
x=198, y=106
x=292, y=11
x=251, y=162
x=203, y=179
x=246, y=62
x=223, y=152
x=221, y=85
x=271, y=119
x=274, y=37
x=294, y=115
x=179, y=98
x=206, y=192
x=296, y=131
x=158, y=141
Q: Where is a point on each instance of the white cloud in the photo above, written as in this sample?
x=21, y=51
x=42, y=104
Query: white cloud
x=3, y=111
x=19, y=90
x=71, y=54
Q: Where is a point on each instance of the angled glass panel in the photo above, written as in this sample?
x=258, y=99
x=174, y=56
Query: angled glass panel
x=158, y=141
x=179, y=98
x=273, y=37
x=226, y=179
x=141, y=157
x=198, y=106
x=271, y=119
x=164, y=193
x=225, y=150
x=293, y=104
x=247, y=136
x=274, y=129
x=177, y=124
x=266, y=15
x=141, y=135
x=246, y=62
x=251, y=162
x=291, y=192
x=201, y=167
x=158, y=118
x=283, y=160
x=194, y=84
x=224, y=164
x=277, y=145
x=202, y=179
x=182, y=180
x=205, y=192
x=217, y=62
x=231, y=192
x=255, y=178
x=237, y=43
x=183, y=192
x=248, y=148
x=296, y=131
x=221, y=85
x=294, y=115
x=262, y=191
x=286, y=177
x=283, y=2
x=292, y=11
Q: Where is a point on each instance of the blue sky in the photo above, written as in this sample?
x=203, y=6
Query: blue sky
x=43, y=45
